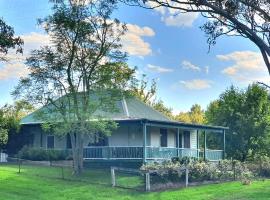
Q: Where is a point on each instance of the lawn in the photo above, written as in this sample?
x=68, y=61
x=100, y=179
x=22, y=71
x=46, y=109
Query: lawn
x=36, y=183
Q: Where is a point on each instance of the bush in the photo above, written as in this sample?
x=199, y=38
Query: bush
x=172, y=171
x=39, y=154
x=260, y=166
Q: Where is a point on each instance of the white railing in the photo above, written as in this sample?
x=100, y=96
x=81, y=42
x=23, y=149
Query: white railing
x=3, y=157
x=115, y=152
x=152, y=153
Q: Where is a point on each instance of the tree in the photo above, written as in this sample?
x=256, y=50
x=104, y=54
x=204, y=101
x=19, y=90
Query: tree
x=195, y=115
x=143, y=91
x=8, y=40
x=82, y=71
x=162, y=108
x=146, y=92
x=10, y=116
x=246, y=18
x=246, y=113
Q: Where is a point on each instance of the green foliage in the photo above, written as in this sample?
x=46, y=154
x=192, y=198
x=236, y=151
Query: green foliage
x=38, y=154
x=8, y=40
x=82, y=71
x=10, y=116
x=195, y=115
x=247, y=114
x=146, y=92
x=162, y=108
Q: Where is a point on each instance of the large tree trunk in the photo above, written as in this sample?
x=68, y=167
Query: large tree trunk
x=77, y=153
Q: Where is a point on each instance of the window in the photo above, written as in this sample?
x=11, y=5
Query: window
x=50, y=142
x=163, y=138
x=186, y=139
x=68, y=142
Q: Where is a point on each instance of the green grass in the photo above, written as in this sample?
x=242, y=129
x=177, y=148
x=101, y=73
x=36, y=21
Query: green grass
x=44, y=183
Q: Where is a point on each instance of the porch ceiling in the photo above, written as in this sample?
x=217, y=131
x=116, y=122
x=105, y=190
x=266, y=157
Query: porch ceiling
x=175, y=124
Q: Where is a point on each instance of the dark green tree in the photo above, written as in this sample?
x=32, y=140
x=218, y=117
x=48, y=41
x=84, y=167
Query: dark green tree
x=8, y=40
x=247, y=114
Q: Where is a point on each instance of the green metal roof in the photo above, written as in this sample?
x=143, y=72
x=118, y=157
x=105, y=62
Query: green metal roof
x=126, y=109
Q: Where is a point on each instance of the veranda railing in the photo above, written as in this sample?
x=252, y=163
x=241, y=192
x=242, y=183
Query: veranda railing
x=152, y=153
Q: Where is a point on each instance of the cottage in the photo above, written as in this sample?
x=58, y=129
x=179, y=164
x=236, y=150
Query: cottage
x=143, y=135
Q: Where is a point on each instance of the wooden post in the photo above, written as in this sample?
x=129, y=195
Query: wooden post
x=147, y=182
x=19, y=160
x=113, y=177
x=177, y=142
x=224, y=143
x=187, y=176
x=144, y=142
x=62, y=170
x=204, y=148
x=198, y=146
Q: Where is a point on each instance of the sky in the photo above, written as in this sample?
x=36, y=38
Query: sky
x=166, y=46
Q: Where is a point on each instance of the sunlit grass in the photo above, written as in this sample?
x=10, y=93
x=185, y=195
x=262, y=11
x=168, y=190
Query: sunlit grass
x=32, y=184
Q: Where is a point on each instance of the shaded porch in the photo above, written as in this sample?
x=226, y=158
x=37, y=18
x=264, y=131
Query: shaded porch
x=174, y=139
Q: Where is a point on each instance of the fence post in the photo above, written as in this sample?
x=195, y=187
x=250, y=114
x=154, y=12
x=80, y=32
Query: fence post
x=113, y=177
x=19, y=161
x=187, y=176
x=234, y=171
x=62, y=170
x=147, y=182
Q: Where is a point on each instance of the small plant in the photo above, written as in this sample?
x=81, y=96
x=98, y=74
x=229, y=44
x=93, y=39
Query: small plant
x=246, y=182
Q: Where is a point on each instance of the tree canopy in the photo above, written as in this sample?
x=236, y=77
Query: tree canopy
x=10, y=116
x=8, y=40
x=84, y=57
x=146, y=91
x=247, y=114
x=195, y=115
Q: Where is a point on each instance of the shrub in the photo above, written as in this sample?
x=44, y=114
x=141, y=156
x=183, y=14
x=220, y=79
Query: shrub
x=260, y=166
x=39, y=154
x=172, y=171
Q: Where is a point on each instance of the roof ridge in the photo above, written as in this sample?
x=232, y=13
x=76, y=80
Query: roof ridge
x=125, y=107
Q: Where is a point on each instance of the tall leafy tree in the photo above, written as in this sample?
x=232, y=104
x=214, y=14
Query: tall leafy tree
x=195, y=115
x=162, y=108
x=247, y=114
x=8, y=40
x=246, y=18
x=72, y=75
x=144, y=90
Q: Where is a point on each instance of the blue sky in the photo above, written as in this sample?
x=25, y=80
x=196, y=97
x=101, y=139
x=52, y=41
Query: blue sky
x=165, y=46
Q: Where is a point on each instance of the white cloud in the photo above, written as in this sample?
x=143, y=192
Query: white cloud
x=174, y=17
x=158, y=69
x=15, y=67
x=197, y=84
x=206, y=68
x=188, y=65
x=246, y=67
x=13, y=70
x=133, y=42
x=180, y=19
